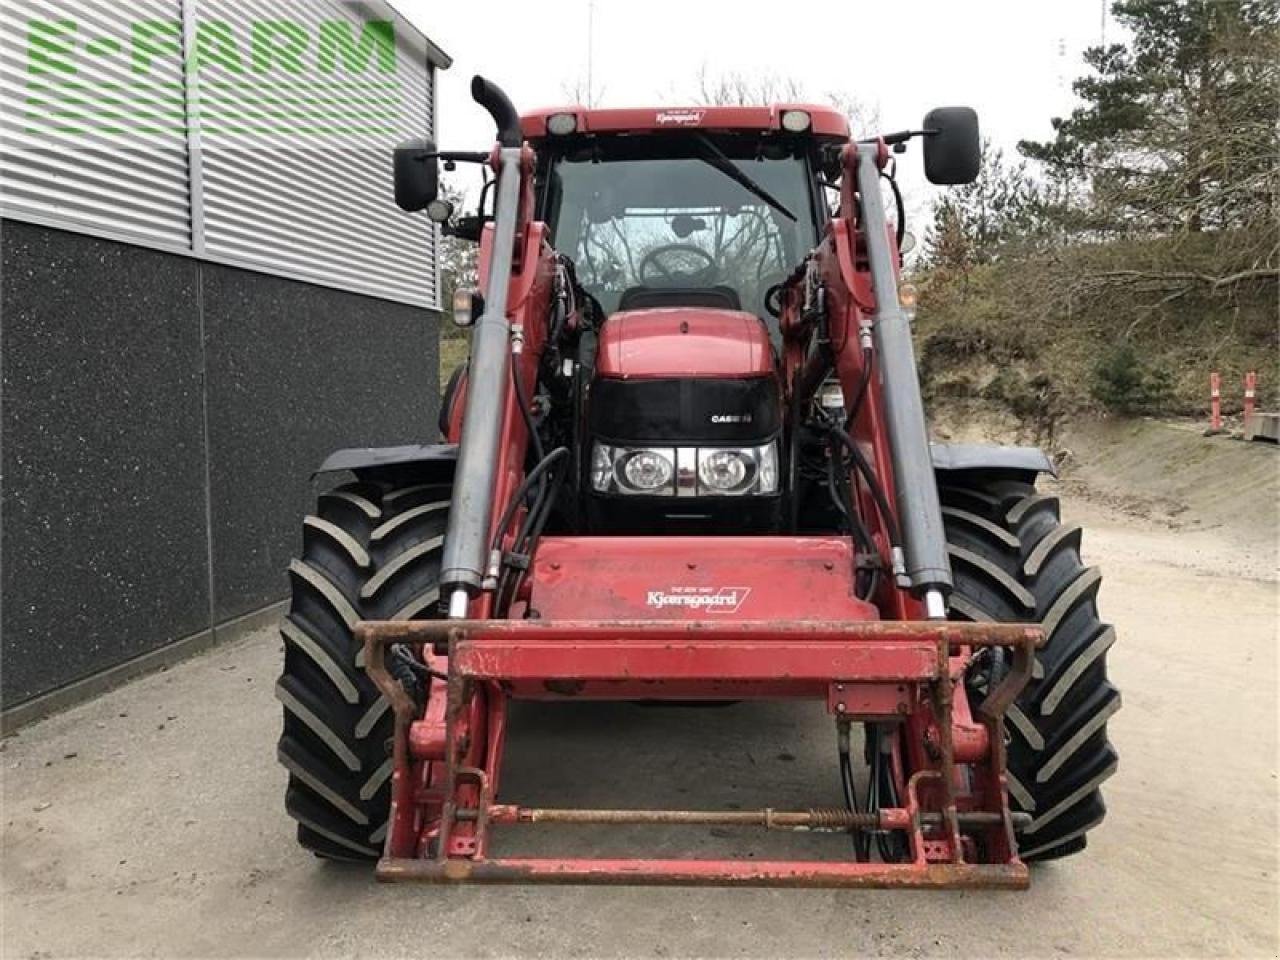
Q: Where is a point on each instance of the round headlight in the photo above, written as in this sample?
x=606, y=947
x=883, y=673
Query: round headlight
x=722, y=470
x=561, y=124
x=796, y=121
x=647, y=470
x=439, y=210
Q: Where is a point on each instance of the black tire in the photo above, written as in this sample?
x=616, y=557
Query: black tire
x=1014, y=561
x=371, y=551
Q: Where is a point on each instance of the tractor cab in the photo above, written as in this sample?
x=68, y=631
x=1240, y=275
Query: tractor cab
x=681, y=226
x=707, y=207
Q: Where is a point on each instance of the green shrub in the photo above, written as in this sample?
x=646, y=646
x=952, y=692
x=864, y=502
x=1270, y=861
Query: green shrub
x=1124, y=383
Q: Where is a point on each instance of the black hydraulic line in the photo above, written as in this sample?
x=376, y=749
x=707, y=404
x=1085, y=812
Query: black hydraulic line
x=889, y=844
x=873, y=582
x=861, y=848
x=523, y=402
x=873, y=482
x=402, y=652
x=526, y=540
x=537, y=519
x=844, y=503
x=836, y=498
x=793, y=461
x=900, y=229
x=532, y=477
x=860, y=391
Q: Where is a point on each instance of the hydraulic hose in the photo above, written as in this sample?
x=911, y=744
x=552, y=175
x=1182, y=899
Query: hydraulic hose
x=873, y=482
x=533, y=476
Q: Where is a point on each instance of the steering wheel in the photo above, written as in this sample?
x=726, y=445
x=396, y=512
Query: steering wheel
x=675, y=252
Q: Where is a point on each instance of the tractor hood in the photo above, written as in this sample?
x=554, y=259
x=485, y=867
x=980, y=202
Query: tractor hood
x=684, y=342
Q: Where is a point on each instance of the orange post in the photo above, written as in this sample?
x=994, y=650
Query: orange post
x=1250, y=391
x=1215, y=402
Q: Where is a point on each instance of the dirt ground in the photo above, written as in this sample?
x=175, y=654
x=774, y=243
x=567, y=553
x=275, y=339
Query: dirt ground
x=150, y=822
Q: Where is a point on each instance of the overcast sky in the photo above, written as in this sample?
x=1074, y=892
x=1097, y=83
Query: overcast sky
x=1012, y=60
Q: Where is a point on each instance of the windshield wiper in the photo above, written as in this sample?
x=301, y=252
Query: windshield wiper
x=716, y=157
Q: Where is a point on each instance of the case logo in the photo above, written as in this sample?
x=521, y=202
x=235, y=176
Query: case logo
x=708, y=599
x=731, y=418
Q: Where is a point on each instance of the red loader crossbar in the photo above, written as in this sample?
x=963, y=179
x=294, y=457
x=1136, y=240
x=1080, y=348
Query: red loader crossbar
x=955, y=826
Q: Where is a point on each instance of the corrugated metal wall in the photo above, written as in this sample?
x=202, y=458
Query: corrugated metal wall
x=79, y=148
x=273, y=152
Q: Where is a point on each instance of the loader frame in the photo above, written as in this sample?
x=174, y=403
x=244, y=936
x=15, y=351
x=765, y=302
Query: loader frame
x=448, y=762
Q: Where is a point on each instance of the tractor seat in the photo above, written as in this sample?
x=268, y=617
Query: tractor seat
x=648, y=298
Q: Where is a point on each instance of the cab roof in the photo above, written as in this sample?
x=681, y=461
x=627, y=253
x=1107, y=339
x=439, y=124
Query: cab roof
x=825, y=121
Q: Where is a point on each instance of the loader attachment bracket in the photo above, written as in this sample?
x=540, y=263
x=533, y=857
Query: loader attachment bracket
x=444, y=793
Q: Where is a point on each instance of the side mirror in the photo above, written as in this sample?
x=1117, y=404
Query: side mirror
x=952, y=147
x=417, y=175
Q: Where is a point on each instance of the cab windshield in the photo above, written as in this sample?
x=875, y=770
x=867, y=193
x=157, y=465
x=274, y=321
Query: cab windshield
x=651, y=220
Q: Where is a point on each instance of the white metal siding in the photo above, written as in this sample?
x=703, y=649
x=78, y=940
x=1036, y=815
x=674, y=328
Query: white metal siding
x=311, y=194
x=72, y=154
x=238, y=175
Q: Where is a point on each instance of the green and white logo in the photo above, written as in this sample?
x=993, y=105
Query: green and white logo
x=267, y=79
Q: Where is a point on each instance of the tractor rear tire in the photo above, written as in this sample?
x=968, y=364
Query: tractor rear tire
x=1014, y=561
x=371, y=551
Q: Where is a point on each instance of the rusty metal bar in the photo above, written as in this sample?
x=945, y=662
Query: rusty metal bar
x=730, y=873
x=943, y=694
x=695, y=658
x=954, y=634
x=833, y=819
x=642, y=650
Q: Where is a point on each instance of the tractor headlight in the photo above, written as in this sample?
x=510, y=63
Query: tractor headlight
x=723, y=471
x=685, y=471
x=796, y=121
x=646, y=471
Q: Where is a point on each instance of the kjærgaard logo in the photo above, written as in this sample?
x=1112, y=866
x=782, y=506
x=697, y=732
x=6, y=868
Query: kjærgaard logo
x=160, y=77
x=680, y=118
x=704, y=599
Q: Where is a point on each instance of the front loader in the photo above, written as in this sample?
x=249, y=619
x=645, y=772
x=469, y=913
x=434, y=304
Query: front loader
x=687, y=461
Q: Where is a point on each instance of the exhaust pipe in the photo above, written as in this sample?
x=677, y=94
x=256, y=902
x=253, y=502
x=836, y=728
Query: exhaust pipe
x=466, y=541
x=491, y=97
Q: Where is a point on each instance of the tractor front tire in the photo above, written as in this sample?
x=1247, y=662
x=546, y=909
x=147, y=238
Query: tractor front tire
x=371, y=551
x=1013, y=560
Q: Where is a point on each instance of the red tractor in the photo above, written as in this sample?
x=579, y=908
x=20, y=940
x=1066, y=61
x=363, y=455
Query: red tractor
x=687, y=461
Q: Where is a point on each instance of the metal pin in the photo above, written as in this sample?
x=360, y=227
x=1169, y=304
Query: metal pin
x=935, y=605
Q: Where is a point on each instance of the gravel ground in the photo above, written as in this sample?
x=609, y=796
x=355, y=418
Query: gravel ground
x=150, y=822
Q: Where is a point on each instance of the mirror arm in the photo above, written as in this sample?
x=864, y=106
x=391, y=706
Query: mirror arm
x=454, y=156
x=902, y=136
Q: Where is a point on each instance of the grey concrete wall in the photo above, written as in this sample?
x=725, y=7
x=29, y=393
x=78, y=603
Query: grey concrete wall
x=160, y=420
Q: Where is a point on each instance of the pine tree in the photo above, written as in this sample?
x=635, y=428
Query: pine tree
x=1177, y=130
